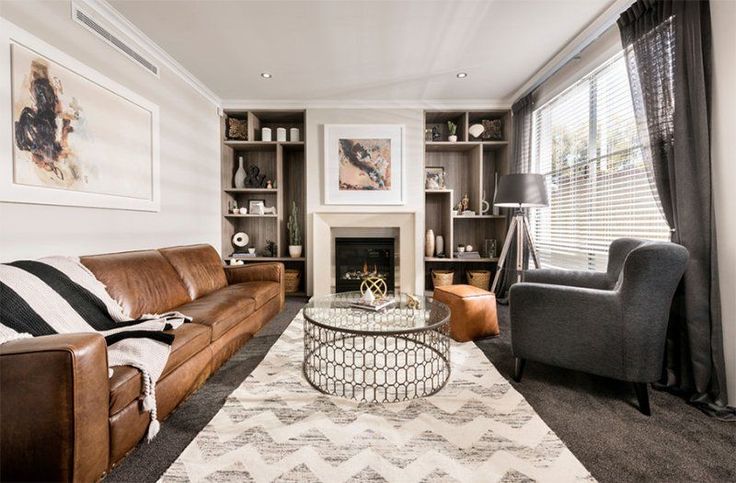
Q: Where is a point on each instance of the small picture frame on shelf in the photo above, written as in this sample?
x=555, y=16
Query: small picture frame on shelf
x=256, y=207
x=434, y=178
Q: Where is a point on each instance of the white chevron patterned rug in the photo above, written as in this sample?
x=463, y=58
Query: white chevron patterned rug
x=276, y=427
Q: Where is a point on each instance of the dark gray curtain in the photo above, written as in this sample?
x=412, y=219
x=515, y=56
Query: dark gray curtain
x=668, y=48
x=521, y=160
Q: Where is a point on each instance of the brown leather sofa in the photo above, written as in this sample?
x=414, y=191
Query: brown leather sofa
x=62, y=418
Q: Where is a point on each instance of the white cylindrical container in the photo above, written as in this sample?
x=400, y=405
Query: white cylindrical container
x=294, y=134
x=266, y=134
x=439, y=245
x=281, y=134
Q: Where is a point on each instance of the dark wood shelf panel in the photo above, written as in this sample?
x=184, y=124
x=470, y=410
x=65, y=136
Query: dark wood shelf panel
x=251, y=190
x=459, y=260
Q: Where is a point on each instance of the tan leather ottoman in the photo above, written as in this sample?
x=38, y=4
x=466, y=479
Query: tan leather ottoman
x=473, y=311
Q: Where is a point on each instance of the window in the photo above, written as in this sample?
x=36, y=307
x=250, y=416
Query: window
x=585, y=142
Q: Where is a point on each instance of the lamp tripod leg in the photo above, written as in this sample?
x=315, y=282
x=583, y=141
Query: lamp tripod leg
x=504, y=253
x=530, y=240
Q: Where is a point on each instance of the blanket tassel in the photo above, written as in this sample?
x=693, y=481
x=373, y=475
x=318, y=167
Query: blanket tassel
x=149, y=404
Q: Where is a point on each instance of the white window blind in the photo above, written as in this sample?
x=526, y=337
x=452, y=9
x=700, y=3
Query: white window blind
x=585, y=142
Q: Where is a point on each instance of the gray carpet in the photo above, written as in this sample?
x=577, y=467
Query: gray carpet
x=596, y=417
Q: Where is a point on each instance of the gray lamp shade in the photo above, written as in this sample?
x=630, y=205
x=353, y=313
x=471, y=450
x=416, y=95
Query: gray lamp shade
x=524, y=190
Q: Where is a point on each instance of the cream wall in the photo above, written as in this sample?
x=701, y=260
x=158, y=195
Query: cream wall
x=413, y=120
x=190, y=154
x=723, y=15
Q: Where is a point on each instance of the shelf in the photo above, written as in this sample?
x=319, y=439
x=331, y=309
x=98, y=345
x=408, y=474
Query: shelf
x=479, y=217
x=461, y=146
x=459, y=260
x=265, y=259
x=250, y=190
x=437, y=192
x=263, y=145
x=251, y=216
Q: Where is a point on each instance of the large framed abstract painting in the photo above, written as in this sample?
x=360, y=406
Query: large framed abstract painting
x=76, y=137
x=364, y=164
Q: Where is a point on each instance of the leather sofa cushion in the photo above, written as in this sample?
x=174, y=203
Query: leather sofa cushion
x=143, y=282
x=125, y=383
x=221, y=310
x=261, y=292
x=199, y=267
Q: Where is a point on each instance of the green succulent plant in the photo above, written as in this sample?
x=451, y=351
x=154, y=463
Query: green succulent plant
x=451, y=127
x=295, y=235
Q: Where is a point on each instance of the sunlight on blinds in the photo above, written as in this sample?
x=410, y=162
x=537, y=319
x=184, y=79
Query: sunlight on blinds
x=585, y=142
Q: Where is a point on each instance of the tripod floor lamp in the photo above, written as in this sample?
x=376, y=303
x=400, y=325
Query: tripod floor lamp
x=519, y=191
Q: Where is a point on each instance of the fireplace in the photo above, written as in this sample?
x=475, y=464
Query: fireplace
x=357, y=258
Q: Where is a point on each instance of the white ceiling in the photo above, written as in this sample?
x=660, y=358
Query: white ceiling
x=362, y=50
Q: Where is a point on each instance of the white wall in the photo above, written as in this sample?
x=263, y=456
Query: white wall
x=413, y=119
x=723, y=16
x=190, y=158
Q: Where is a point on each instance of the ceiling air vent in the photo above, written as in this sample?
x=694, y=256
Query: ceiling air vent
x=83, y=19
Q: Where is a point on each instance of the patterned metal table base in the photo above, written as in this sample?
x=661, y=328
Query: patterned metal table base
x=376, y=366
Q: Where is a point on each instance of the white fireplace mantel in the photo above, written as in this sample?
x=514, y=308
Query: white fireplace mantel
x=323, y=249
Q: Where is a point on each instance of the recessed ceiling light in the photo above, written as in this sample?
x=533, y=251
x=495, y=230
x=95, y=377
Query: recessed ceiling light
x=462, y=75
x=266, y=75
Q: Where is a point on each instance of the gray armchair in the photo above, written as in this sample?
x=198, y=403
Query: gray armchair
x=611, y=323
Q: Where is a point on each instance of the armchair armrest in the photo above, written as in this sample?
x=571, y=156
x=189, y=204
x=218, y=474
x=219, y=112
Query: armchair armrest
x=54, y=408
x=258, y=272
x=572, y=327
x=573, y=278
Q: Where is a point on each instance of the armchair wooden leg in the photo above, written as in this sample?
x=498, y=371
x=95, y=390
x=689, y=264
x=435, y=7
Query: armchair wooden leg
x=642, y=394
x=519, y=365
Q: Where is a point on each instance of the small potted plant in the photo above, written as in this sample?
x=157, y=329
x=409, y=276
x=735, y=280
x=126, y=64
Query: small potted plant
x=295, y=236
x=452, y=129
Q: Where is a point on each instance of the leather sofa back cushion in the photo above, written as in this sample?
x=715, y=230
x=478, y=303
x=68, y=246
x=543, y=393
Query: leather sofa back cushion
x=199, y=266
x=143, y=282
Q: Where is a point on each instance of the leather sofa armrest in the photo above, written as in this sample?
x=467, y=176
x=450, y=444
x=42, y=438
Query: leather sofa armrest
x=258, y=272
x=54, y=408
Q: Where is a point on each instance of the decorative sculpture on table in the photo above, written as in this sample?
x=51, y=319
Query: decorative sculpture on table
x=374, y=285
x=464, y=204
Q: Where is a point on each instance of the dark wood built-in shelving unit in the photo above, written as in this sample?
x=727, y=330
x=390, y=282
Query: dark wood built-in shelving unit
x=470, y=167
x=282, y=162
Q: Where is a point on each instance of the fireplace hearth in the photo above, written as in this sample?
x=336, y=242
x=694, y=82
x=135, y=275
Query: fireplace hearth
x=358, y=258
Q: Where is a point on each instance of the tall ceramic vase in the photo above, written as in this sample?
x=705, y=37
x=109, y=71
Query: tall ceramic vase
x=239, y=180
x=439, y=245
x=429, y=243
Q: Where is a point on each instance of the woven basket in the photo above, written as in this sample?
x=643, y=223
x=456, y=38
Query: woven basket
x=442, y=277
x=291, y=279
x=479, y=278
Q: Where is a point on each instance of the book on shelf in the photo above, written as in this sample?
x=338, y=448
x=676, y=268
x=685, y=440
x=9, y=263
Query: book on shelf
x=470, y=255
x=375, y=305
x=243, y=255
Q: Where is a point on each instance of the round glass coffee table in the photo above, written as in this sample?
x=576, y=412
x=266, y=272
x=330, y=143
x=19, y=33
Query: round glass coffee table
x=396, y=354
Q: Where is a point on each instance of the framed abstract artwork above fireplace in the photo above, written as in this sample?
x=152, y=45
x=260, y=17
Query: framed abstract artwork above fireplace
x=363, y=164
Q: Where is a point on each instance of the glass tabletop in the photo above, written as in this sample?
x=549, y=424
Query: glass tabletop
x=336, y=311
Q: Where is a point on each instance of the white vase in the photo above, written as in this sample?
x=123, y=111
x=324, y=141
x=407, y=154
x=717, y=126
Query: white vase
x=452, y=139
x=295, y=251
x=294, y=134
x=429, y=243
x=239, y=180
x=281, y=134
x=266, y=134
x=439, y=245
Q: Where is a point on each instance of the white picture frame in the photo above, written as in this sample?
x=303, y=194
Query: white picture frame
x=383, y=186
x=13, y=39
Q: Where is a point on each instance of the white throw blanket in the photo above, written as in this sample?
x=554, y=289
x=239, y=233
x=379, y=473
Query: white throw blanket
x=59, y=295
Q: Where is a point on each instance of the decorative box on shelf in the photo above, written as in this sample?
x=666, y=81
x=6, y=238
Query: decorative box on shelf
x=471, y=255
